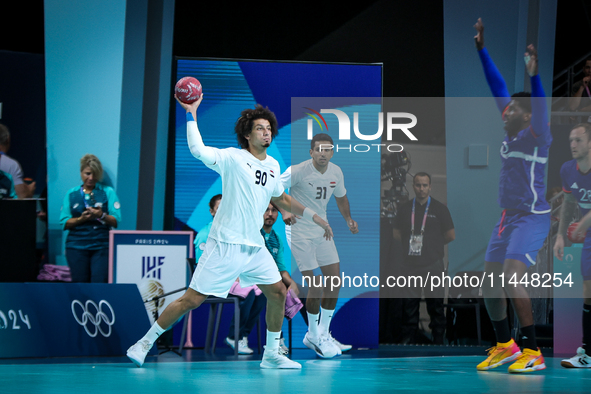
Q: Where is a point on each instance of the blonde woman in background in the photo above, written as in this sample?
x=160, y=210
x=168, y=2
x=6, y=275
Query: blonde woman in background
x=88, y=212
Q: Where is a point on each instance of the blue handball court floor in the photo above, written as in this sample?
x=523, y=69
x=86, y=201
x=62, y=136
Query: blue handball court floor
x=415, y=369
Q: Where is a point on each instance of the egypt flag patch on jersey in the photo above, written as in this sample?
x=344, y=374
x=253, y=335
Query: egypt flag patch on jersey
x=272, y=173
x=333, y=185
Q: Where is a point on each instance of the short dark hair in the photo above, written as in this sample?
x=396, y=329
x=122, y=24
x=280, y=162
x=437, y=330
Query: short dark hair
x=586, y=126
x=213, y=200
x=244, y=123
x=421, y=174
x=4, y=134
x=523, y=99
x=320, y=137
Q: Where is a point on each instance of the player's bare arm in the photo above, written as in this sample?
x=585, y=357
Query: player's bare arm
x=532, y=60
x=345, y=210
x=566, y=213
x=288, y=217
x=289, y=283
x=289, y=204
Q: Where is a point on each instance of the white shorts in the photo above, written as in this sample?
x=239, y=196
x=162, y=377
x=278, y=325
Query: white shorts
x=221, y=263
x=310, y=254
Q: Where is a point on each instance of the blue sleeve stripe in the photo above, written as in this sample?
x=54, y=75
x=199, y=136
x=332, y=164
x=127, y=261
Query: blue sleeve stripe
x=190, y=117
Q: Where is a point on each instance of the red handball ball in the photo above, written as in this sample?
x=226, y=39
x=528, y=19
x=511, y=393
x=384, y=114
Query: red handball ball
x=188, y=90
x=570, y=234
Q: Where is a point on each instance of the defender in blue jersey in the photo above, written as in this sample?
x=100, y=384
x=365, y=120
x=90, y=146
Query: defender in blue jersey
x=576, y=184
x=525, y=221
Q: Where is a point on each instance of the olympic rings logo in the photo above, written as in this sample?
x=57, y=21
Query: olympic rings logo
x=92, y=314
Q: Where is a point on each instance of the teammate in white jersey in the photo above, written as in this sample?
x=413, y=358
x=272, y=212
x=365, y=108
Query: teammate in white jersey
x=312, y=183
x=235, y=248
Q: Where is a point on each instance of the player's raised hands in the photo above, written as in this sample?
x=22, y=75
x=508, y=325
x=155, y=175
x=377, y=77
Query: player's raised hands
x=479, y=37
x=531, y=60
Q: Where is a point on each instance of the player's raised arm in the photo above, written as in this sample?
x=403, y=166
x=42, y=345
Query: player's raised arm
x=494, y=78
x=539, y=109
x=196, y=145
x=289, y=204
x=532, y=60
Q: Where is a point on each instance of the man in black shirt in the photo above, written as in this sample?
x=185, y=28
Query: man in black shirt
x=424, y=226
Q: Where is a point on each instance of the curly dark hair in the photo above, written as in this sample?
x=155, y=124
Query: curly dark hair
x=245, y=122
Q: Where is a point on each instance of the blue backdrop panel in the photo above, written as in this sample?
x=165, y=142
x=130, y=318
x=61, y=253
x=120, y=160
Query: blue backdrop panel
x=69, y=319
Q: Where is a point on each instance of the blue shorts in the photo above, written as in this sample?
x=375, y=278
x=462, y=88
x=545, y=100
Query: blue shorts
x=586, y=258
x=519, y=236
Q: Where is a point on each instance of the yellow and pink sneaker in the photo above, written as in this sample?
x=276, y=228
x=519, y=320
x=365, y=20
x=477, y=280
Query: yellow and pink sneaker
x=501, y=354
x=529, y=361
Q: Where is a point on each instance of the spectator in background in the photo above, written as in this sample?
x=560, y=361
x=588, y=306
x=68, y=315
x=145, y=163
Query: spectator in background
x=202, y=235
x=89, y=211
x=424, y=226
x=581, y=96
x=11, y=166
x=6, y=186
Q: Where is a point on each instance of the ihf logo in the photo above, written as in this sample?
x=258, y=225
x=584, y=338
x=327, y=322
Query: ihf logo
x=152, y=266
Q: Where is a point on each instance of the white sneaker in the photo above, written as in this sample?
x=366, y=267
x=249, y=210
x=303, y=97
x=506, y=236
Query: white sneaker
x=242, y=345
x=343, y=348
x=581, y=360
x=282, y=348
x=138, y=352
x=276, y=360
x=323, y=346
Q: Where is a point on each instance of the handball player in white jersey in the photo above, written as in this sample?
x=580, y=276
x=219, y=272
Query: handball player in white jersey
x=312, y=183
x=235, y=248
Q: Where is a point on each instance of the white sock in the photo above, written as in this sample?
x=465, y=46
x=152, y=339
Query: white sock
x=313, y=320
x=325, y=318
x=273, y=339
x=153, y=334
